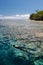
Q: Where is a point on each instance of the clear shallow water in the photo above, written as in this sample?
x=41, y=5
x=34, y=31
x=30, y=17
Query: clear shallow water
x=20, y=33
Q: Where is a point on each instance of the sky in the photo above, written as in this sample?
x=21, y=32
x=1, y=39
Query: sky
x=19, y=7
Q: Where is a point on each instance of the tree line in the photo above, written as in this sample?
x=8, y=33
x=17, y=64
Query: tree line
x=37, y=16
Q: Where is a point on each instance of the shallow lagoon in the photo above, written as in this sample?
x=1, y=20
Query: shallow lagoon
x=21, y=33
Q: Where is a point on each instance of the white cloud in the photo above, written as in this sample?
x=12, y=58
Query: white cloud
x=24, y=16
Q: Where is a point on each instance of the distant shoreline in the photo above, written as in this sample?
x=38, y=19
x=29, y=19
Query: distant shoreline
x=36, y=21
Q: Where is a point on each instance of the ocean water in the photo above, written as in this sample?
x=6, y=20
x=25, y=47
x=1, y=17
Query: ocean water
x=21, y=42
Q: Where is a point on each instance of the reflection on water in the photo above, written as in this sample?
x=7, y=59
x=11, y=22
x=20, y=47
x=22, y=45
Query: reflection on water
x=21, y=42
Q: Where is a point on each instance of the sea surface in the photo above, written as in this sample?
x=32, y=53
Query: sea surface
x=21, y=42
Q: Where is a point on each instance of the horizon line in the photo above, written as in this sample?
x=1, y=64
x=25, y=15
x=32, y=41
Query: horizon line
x=17, y=16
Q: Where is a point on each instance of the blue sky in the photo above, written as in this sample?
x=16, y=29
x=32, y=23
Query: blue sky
x=13, y=7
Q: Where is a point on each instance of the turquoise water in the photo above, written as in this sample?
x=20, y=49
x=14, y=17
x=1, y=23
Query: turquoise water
x=27, y=52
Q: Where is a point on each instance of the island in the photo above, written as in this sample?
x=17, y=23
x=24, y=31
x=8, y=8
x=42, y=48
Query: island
x=38, y=15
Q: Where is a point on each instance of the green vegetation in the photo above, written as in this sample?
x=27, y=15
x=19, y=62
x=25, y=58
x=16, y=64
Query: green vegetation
x=37, y=16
